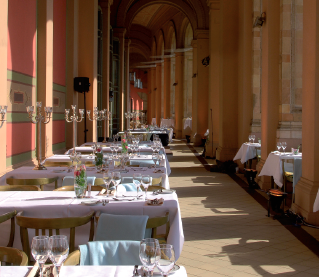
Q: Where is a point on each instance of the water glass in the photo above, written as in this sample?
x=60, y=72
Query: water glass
x=137, y=178
x=149, y=254
x=59, y=250
x=107, y=178
x=116, y=178
x=284, y=146
x=146, y=182
x=279, y=146
x=166, y=261
x=40, y=250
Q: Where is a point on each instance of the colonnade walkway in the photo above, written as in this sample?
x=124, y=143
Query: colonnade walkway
x=227, y=232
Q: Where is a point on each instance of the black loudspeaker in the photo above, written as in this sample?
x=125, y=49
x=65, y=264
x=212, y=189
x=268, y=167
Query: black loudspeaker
x=81, y=84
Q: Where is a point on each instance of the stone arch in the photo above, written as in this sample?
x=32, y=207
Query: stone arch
x=154, y=47
x=192, y=10
x=169, y=35
x=180, y=38
x=160, y=43
x=138, y=46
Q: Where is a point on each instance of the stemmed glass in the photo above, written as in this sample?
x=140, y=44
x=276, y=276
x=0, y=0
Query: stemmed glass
x=146, y=182
x=166, y=261
x=94, y=149
x=137, y=178
x=59, y=250
x=155, y=158
x=149, y=254
x=284, y=146
x=253, y=138
x=72, y=158
x=279, y=146
x=249, y=137
x=116, y=178
x=112, y=147
x=107, y=178
x=40, y=250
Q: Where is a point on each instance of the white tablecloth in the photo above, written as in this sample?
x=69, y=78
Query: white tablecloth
x=76, y=271
x=153, y=121
x=246, y=152
x=273, y=167
x=167, y=122
x=316, y=203
x=26, y=172
x=63, y=204
x=187, y=123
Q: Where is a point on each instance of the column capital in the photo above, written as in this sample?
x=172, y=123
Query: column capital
x=213, y=4
x=202, y=34
x=105, y=3
x=119, y=32
x=167, y=60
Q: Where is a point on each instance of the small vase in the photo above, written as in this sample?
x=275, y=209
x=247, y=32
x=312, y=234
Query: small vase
x=80, y=181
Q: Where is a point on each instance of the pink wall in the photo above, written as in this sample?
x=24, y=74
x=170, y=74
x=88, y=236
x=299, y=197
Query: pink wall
x=23, y=134
x=59, y=41
x=137, y=101
x=22, y=36
x=59, y=131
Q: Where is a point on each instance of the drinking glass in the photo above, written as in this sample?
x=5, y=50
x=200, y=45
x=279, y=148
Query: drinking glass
x=166, y=261
x=116, y=178
x=112, y=146
x=149, y=254
x=40, y=250
x=94, y=149
x=107, y=178
x=155, y=158
x=59, y=250
x=284, y=146
x=72, y=158
x=137, y=178
x=278, y=146
x=253, y=138
x=146, y=182
x=249, y=138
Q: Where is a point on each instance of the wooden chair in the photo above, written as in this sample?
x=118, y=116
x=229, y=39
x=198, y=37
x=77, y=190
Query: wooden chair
x=5, y=217
x=288, y=174
x=99, y=182
x=71, y=188
x=13, y=256
x=152, y=188
x=57, y=164
x=44, y=224
x=73, y=258
x=32, y=182
x=19, y=188
x=155, y=222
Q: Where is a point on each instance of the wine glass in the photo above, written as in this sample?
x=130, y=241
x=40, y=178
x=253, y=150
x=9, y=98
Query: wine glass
x=166, y=261
x=253, y=138
x=137, y=178
x=116, y=178
x=284, y=146
x=279, y=146
x=155, y=158
x=249, y=138
x=94, y=149
x=146, y=182
x=112, y=146
x=40, y=250
x=59, y=250
x=72, y=158
x=149, y=254
x=107, y=178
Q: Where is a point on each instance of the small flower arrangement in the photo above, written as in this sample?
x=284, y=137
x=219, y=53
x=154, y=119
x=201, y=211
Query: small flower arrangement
x=147, y=128
x=124, y=145
x=98, y=156
x=80, y=175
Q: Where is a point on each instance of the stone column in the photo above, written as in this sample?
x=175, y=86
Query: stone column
x=269, y=84
x=228, y=86
x=158, y=104
x=179, y=80
x=167, y=87
x=194, y=90
x=149, y=97
x=127, y=78
x=120, y=33
x=87, y=61
x=213, y=95
x=3, y=80
x=307, y=187
x=154, y=90
x=202, y=37
x=45, y=68
x=105, y=5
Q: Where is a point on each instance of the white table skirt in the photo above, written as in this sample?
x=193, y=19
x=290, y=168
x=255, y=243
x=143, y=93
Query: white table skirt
x=26, y=172
x=273, y=167
x=246, y=152
x=187, y=123
x=316, y=203
x=44, y=204
x=167, y=122
x=76, y=271
x=153, y=121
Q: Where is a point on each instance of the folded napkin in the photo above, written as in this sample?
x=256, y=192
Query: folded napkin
x=121, y=227
x=114, y=253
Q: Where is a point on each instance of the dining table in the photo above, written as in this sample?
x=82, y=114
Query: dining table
x=167, y=122
x=273, y=166
x=187, y=126
x=165, y=134
x=91, y=271
x=246, y=152
x=55, y=204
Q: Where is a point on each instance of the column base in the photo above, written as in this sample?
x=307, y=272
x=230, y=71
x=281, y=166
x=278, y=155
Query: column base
x=305, y=195
x=225, y=154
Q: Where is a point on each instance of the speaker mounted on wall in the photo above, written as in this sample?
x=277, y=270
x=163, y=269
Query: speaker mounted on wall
x=81, y=84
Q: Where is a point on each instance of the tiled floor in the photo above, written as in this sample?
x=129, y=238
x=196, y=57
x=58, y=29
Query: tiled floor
x=226, y=231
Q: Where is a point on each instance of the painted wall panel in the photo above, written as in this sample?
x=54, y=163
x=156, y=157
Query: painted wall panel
x=59, y=131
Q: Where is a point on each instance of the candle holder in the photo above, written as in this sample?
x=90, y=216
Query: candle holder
x=3, y=111
x=38, y=119
x=96, y=116
x=107, y=116
x=75, y=119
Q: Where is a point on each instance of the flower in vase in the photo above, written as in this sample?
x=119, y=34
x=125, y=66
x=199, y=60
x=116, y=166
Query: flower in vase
x=80, y=175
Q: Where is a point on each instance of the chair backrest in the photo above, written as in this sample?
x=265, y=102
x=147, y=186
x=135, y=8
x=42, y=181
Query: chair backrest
x=19, y=188
x=71, y=188
x=51, y=224
x=13, y=256
x=73, y=258
x=152, y=188
x=33, y=182
x=5, y=217
x=155, y=222
x=56, y=164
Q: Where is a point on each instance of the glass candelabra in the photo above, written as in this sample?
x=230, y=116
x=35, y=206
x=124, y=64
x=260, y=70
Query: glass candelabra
x=3, y=111
x=96, y=116
x=75, y=119
x=135, y=116
x=38, y=119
